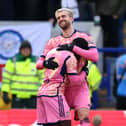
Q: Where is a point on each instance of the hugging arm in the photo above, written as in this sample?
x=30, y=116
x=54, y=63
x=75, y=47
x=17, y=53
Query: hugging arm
x=40, y=61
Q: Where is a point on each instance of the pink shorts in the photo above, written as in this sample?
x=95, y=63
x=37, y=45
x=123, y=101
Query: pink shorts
x=52, y=109
x=78, y=97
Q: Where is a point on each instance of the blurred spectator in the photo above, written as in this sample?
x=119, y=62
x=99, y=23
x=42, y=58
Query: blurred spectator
x=111, y=14
x=53, y=5
x=120, y=83
x=19, y=10
x=21, y=79
x=27, y=9
x=97, y=120
x=94, y=78
x=73, y=5
x=86, y=10
x=7, y=11
x=112, y=21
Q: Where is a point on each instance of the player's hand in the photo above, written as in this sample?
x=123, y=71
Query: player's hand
x=50, y=64
x=6, y=98
x=68, y=47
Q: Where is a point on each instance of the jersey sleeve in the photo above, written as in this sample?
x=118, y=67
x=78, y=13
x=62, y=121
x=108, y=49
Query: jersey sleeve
x=39, y=63
x=91, y=53
x=49, y=45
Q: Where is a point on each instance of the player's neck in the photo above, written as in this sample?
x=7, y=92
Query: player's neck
x=68, y=32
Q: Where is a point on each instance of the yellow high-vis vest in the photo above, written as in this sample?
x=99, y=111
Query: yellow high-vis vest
x=94, y=77
x=21, y=78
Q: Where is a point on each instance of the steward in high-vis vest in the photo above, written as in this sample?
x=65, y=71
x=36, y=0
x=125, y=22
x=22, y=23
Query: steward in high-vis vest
x=94, y=80
x=21, y=78
x=94, y=77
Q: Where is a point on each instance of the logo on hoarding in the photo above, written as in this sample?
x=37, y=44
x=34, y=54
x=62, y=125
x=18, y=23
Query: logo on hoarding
x=10, y=41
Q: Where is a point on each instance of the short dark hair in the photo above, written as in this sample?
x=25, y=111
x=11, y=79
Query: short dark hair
x=80, y=42
x=25, y=44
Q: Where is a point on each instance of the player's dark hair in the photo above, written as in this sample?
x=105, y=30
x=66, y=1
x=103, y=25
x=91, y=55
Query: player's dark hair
x=80, y=42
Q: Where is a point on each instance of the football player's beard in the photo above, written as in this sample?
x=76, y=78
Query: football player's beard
x=65, y=26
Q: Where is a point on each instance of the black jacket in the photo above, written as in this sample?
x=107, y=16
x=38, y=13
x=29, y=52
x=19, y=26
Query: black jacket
x=110, y=7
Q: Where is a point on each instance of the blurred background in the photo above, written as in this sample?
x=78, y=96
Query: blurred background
x=34, y=20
